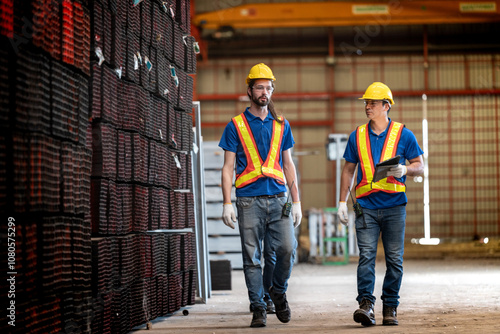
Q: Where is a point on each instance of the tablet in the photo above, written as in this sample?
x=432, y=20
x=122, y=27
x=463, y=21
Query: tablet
x=383, y=167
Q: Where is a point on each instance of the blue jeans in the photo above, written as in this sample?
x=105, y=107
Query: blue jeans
x=391, y=224
x=269, y=263
x=260, y=221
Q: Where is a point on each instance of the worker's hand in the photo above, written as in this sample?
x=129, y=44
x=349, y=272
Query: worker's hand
x=342, y=213
x=397, y=171
x=296, y=214
x=228, y=215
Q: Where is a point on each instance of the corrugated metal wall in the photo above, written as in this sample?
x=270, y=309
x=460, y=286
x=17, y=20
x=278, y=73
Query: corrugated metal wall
x=463, y=116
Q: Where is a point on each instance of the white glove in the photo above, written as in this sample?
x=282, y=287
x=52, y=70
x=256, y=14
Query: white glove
x=296, y=214
x=397, y=171
x=342, y=213
x=228, y=215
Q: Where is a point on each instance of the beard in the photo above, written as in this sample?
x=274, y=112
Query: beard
x=260, y=103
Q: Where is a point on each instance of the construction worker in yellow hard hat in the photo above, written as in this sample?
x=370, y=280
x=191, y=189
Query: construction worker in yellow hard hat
x=262, y=72
x=380, y=206
x=258, y=143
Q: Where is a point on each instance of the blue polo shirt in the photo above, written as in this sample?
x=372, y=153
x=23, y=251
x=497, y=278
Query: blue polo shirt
x=262, y=132
x=407, y=148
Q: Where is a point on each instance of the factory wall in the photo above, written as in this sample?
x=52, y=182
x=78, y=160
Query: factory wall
x=462, y=112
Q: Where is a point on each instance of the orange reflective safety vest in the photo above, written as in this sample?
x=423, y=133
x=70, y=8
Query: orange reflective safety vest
x=389, y=184
x=255, y=169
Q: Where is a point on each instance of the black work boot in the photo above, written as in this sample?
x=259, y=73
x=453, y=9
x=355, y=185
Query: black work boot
x=364, y=314
x=259, y=317
x=283, y=312
x=390, y=316
x=270, y=305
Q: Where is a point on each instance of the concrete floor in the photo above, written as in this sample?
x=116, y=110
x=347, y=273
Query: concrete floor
x=441, y=294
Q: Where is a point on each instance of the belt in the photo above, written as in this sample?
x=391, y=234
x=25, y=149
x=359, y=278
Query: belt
x=272, y=196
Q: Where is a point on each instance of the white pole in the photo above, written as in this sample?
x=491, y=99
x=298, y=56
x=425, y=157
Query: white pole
x=338, y=162
x=425, y=134
x=427, y=240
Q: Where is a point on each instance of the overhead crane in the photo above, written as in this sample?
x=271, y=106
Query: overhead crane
x=346, y=13
x=350, y=13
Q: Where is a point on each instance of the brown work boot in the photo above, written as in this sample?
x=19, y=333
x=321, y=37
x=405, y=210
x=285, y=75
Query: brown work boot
x=390, y=316
x=259, y=317
x=364, y=314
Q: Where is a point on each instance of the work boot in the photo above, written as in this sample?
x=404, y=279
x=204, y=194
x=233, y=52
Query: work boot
x=364, y=314
x=259, y=317
x=390, y=316
x=283, y=312
x=270, y=305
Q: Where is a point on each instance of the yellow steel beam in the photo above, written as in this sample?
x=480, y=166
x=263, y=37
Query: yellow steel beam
x=350, y=13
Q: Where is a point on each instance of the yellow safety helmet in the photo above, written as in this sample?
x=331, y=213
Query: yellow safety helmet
x=260, y=71
x=378, y=91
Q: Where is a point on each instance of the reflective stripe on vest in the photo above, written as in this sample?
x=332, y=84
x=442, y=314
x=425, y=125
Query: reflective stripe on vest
x=389, y=184
x=255, y=169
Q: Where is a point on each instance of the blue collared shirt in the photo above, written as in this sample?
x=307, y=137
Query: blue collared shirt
x=262, y=131
x=407, y=148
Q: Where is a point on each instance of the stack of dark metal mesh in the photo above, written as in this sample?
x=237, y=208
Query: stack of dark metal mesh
x=46, y=162
x=95, y=144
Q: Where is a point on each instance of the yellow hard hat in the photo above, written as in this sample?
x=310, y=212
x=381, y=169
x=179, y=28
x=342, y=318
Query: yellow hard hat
x=260, y=71
x=378, y=91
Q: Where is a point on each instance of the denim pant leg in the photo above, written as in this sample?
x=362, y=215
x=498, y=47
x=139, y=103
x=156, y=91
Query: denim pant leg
x=281, y=237
x=367, y=237
x=393, y=232
x=252, y=225
x=269, y=263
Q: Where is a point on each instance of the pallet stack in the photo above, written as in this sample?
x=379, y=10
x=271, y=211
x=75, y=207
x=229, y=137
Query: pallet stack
x=142, y=136
x=46, y=163
x=95, y=141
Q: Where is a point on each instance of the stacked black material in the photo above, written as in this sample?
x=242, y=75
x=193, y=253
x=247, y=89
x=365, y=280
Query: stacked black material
x=160, y=210
x=182, y=15
x=153, y=274
x=182, y=205
x=141, y=98
x=46, y=164
x=142, y=136
x=190, y=61
x=95, y=140
x=60, y=28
